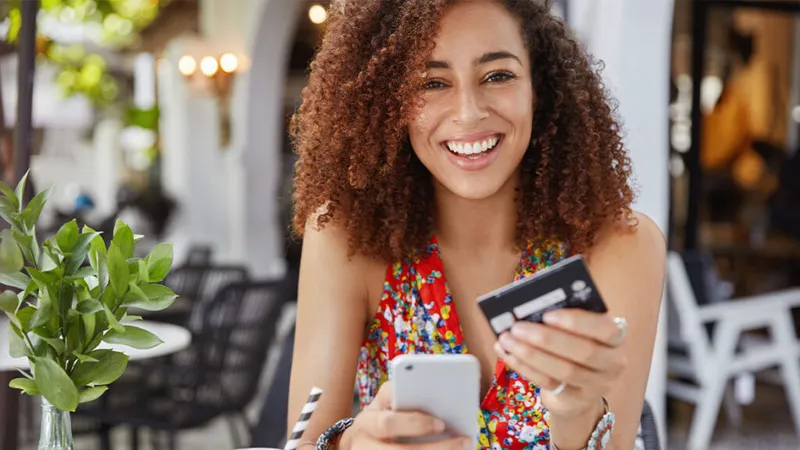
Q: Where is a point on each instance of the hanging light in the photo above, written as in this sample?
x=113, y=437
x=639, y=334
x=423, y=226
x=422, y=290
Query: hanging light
x=209, y=66
x=317, y=14
x=228, y=63
x=187, y=65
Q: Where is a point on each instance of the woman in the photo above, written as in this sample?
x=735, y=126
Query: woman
x=469, y=140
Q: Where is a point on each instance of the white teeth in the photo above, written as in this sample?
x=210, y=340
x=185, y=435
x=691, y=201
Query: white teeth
x=474, y=147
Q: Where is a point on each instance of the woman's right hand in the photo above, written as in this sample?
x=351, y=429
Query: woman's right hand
x=377, y=427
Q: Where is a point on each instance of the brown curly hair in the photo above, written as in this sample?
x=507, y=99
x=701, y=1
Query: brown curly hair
x=356, y=165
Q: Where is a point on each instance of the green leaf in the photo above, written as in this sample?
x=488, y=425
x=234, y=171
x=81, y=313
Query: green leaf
x=157, y=297
x=10, y=195
x=133, y=337
x=55, y=385
x=9, y=302
x=67, y=236
x=89, y=326
x=27, y=243
x=159, y=262
x=118, y=271
x=8, y=212
x=10, y=255
x=91, y=394
x=25, y=385
x=16, y=280
x=80, y=274
x=46, y=282
x=123, y=239
x=31, y=213
x=144, y=276
x=110, y=366
x=89, y=306
x=16, y=345
x=84, y=358
x=128, y=318
x=57, y=344
x=24, y=315
x=113, y=323
x=80, y=250
x=19, y=192
x=44, y=311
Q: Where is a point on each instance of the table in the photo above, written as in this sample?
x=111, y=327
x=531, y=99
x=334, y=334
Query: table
x=176, y=338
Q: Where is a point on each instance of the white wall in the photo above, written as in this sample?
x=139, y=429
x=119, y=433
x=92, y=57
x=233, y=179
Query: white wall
x=633, y=38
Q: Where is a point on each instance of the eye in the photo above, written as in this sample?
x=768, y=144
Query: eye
x=499, y=77
x=432, y=85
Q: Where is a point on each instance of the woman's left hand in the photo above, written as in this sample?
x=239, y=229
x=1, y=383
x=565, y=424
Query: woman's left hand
x=580, y=349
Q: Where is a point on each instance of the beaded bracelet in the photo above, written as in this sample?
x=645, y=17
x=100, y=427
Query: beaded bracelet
x=330, y=437
x=602, y=431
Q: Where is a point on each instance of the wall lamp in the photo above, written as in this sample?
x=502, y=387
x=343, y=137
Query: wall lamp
x=220, y=72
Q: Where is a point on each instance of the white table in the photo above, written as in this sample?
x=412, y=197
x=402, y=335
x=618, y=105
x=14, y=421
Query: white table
x=176, y=338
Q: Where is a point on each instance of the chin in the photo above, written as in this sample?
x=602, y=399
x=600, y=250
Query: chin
x=474, y=188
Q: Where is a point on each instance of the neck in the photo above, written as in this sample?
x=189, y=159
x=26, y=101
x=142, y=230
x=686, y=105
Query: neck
x=477, y=226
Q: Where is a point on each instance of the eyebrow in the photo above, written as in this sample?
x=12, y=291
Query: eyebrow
x=483, y=59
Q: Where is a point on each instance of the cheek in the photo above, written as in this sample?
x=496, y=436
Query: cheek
x=420, y=128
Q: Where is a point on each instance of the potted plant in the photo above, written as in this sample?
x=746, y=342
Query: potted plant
x=61, y=309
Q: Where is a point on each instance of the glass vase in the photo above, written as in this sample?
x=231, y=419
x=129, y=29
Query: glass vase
x=56, y=429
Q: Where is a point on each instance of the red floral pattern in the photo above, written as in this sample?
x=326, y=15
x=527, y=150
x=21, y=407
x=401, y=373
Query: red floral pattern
x=417, y=315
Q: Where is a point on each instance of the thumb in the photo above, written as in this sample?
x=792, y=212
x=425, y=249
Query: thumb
x=383, y=401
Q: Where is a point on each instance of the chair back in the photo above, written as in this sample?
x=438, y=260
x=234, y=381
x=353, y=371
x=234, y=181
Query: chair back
x=648, y=437
x=214, y=279
x=237, y=330
x=682, y=297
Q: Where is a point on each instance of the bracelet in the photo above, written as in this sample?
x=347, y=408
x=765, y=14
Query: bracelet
x=602, y=431
x=330, y=437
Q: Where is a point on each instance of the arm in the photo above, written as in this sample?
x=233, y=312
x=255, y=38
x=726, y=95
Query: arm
x=629, y=271
x=330, y=323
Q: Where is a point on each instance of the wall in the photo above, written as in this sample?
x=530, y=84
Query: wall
x=633, y=38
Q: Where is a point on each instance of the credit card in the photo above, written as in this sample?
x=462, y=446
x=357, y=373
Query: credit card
x=566, y=284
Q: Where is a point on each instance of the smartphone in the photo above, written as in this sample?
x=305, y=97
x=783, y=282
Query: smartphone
x=566, y=284
x=445, y=386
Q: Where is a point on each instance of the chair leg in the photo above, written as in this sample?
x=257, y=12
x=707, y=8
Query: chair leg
x=790, y=368
x=105, y=436
x=733, y=411
x=234, y=431
x=712, y=389
x=172, y=440
x=134, y=438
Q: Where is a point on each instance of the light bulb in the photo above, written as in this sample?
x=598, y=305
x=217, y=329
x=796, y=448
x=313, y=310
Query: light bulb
x=209, y=66
x=317, y=14
x=228, y=62
x=187, y=65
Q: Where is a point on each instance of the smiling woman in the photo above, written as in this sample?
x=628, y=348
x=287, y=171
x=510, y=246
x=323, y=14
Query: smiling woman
x=476, y=136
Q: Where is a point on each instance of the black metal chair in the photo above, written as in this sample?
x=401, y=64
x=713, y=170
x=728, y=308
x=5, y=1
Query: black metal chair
x=648, y=438
x=218, y=375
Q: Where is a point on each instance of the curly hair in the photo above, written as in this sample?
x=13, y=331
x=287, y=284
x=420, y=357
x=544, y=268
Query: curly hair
x=356, y=165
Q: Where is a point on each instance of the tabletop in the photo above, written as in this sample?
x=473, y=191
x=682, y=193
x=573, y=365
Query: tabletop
x=175, y=338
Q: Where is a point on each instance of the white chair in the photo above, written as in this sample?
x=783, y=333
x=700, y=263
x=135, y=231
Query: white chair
x=713, y=364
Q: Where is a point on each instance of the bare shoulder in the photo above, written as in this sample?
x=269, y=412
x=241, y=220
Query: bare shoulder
x=624, y=255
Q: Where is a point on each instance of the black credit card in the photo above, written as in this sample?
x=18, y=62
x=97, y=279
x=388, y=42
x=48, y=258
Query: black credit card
x=566, y=284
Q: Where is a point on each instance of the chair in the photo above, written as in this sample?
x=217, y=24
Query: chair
x=711, y=363
x=218, y=375
x=647, y=438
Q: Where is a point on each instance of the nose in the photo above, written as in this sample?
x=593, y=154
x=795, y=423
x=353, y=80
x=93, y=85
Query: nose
x=470, y=107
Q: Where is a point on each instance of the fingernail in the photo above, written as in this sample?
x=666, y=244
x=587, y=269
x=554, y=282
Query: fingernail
x=438, y=426
x=507, y=341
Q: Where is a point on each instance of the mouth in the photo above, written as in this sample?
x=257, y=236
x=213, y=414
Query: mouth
x=474, y=149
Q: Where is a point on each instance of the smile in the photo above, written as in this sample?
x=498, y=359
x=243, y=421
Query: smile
x=473, y=149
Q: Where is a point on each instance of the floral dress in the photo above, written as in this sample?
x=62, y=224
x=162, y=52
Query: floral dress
x=417, y=315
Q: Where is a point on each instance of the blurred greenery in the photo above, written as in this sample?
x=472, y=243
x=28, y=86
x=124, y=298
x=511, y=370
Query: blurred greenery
x=110, y=23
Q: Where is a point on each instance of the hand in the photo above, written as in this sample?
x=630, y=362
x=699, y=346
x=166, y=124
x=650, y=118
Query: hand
x=377, y=427
x=578, y=348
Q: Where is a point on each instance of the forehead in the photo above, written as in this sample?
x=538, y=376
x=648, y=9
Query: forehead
x=470, y=27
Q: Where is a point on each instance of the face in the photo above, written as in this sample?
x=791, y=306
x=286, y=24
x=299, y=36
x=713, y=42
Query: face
x=475, y=125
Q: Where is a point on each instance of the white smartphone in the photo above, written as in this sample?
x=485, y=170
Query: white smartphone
x=445, y=386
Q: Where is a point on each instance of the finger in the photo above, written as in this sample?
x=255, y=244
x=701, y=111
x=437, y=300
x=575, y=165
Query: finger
x=578, y=349
x=383, y=399
x=554, y=367
x=600, y=327
x=531, y=374
x=388, y=425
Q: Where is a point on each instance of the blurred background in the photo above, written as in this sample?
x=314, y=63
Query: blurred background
x=172, y=115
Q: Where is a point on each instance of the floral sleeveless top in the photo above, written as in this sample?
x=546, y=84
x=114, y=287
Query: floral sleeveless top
x=417, y=315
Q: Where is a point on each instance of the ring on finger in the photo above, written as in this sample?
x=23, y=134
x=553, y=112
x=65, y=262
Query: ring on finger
x=622, y=326
x=558, y=390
